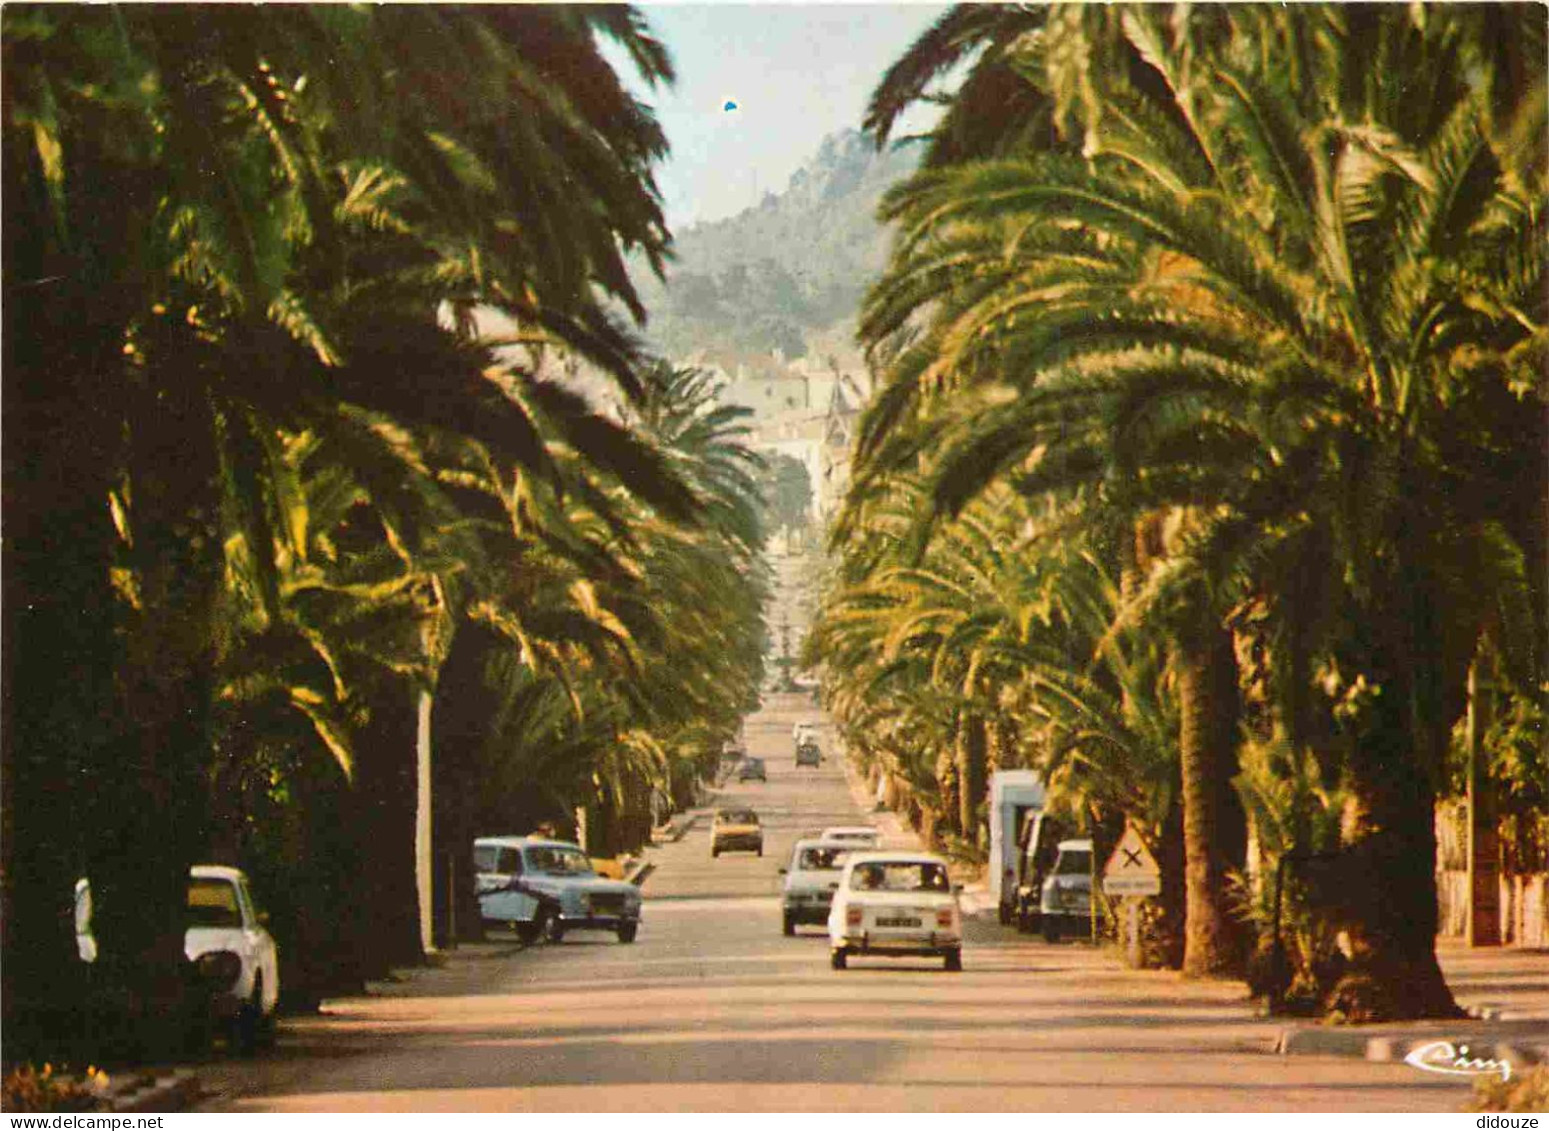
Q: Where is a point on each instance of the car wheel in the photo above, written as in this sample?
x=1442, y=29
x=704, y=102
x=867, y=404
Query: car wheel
x=838, y=958
x=249, y=1019
x=1051, y=930
x=760, y=849
x=790, y=925
x=954, y=960
x=714, y=852
x=556, y=930
x=627, y=932
x=527, y=932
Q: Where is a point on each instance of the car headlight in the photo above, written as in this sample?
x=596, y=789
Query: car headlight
x=219, y=969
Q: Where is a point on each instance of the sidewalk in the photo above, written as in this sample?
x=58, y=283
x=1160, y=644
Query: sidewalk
x=1504, y=989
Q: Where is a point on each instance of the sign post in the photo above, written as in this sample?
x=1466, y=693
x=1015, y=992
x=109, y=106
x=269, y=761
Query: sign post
x=1132, y=872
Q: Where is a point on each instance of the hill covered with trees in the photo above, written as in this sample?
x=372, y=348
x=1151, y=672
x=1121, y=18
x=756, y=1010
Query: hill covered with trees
x=788, y=274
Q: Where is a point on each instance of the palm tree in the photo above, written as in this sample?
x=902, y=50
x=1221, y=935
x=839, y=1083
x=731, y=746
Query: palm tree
x=646, y=629
x=1003, y=619
x=215, y=230
x=1174, y=325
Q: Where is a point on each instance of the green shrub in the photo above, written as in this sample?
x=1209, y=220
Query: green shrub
x=29, y=1088
x=1528, y=1091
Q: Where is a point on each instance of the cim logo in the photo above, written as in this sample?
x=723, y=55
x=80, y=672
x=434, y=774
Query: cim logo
x=1453, y=1060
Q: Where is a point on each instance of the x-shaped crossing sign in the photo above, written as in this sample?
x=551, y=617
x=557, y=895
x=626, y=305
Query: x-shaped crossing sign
x=1131, y=857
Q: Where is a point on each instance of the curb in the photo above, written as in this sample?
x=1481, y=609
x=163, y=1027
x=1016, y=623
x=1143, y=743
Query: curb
x=1523, y=1045
x=170, y=1093
x=976, y=901
x=673, y=832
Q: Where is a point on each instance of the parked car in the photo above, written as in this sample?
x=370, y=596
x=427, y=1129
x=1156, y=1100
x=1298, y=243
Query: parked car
x=752, y=769
x=809, y=754
x=736, y=830
x=810, y=881
x=1037, y=848
x=1065, y=906
x=858, y=836
x=545, y=887
x=802, y=731
x=227, y=939
x=895, y=904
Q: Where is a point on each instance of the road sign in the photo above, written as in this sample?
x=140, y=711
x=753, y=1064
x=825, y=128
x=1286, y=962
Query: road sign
x=1132, y=870
x=1132, y=885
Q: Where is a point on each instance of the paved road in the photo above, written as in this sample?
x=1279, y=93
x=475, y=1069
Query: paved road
x=713, y=1009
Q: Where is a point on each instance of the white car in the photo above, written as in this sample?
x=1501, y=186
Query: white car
x=1065, y=904
x=548, y=887
x=895, y=904
x=861, y=836
x=810, y=881
x=227, y=939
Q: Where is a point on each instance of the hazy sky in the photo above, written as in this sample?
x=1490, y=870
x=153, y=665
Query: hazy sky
x=794, y=72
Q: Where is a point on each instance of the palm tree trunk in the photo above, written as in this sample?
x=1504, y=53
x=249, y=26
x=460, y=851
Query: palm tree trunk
x=1163, y=919
x=1386, y=899
x=60, y=646
x=1207, y=693
x=947, y=809
x=972, y=757
x=151, y=819
x=459, y=722
x=384, y=796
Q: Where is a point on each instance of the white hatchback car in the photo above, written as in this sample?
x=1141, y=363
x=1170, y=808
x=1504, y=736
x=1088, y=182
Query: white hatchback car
x=546, y=887
x=811, y=880
x=227, y=938
x=895, y=904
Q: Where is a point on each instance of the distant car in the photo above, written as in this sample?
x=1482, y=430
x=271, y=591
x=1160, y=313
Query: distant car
x=228, y=941
x=895, y=904
x=802, y=730
x=736, y=830
x=809, y=754
x=547, y=887
x=752, y=769
x=810, y=881
x=858, y=836
x=1065, y=905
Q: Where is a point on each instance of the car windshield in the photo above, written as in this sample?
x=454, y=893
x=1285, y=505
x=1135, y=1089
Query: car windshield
x=900, y=875
x=553, y=861
x=738, y=817
x=493, y=858
x=853, y=834
x=213, y=903
x=822, y=859
x=1073, y=863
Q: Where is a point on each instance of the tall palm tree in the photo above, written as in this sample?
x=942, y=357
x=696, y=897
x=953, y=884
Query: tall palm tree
x=646, y=628
x=224, y=221
x=1175, y=323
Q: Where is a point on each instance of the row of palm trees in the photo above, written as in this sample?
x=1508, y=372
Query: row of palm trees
x=279, y=517
x=1209, y=443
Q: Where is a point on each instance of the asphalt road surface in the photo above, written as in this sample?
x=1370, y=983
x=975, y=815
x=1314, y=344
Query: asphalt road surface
x=714, y=1010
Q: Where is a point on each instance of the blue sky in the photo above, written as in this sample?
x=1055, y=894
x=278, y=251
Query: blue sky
x=795, y=72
